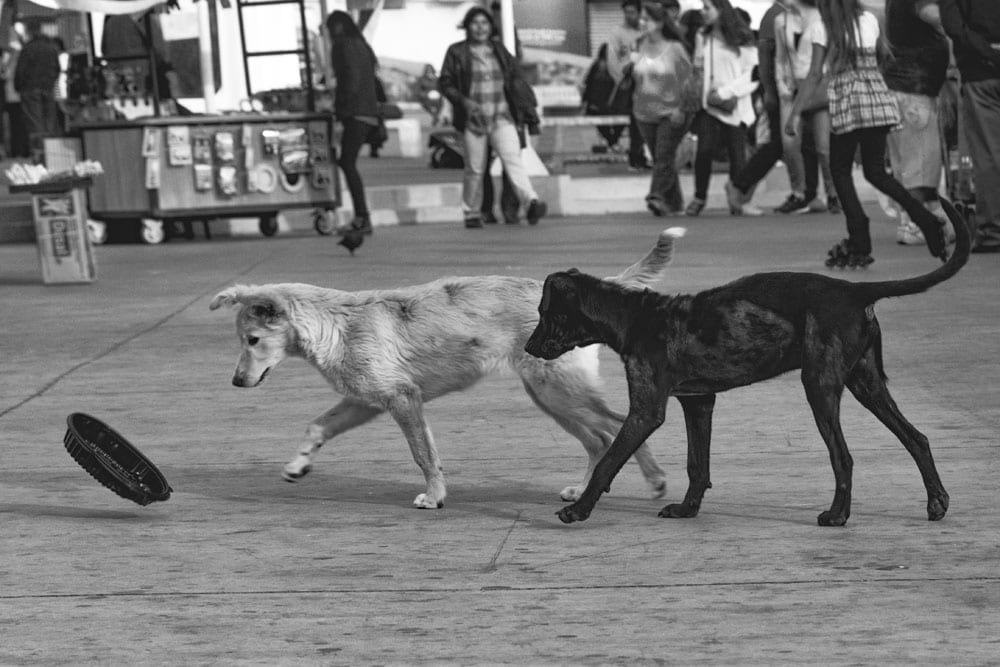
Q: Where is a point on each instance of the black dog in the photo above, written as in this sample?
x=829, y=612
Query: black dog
x=755, y=328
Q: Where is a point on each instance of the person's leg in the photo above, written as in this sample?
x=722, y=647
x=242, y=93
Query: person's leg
x=763, y=160
x=353, y=137
x=472, y=178
x=655, y=200
x=873, y=147
x=636, y=153
x=34, y=119
x=810, y=160
x=507, y=145
x=820, y=122
x=842, y=150
x=706, y=128
x=736, y=147
x=915, y=156
x=792, y=152
x=670, y=142
x=981, y=122
x=486, y=208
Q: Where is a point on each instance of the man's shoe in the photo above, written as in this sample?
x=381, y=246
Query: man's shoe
x=751, y=211
x=794, y=204
x=473, y=221
x=488, y=218
x=833, y=205
x=981, y=249
x=536, y=211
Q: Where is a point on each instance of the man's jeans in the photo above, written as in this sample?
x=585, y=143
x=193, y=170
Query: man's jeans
x=981, y=119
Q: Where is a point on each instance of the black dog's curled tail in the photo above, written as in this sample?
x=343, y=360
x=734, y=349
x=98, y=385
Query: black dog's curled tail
x=872, y=292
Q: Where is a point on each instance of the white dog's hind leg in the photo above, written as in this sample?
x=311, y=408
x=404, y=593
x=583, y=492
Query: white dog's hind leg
x=342, y=417
x=568, y=390
x=408, y=411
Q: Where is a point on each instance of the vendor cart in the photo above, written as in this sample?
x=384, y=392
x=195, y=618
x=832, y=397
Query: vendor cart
x=202, y=168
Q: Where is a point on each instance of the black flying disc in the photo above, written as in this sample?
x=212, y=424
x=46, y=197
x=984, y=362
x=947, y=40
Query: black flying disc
x=114, y=461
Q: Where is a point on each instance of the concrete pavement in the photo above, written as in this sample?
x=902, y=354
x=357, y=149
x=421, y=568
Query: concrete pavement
x=239, y=567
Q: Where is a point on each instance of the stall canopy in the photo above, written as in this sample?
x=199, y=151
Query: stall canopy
x=100, y=6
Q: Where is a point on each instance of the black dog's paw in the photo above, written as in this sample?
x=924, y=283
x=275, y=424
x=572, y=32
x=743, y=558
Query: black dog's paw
x=937, y=507
x=572, y=513
x=830, y=518
x=678, y=511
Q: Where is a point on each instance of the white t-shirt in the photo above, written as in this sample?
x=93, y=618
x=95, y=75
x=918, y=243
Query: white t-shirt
x=867, y=32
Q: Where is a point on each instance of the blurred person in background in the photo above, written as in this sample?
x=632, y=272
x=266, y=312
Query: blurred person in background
x=974, y=28
x=622, y=43
x=492, y=105
x=862, y=111
x=808, y=150
x=355, y=105
x=35, y=78
x=916, y=73
x=725, y=58
x=662, y=99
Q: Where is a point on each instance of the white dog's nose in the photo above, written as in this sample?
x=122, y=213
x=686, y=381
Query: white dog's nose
x=239, y=381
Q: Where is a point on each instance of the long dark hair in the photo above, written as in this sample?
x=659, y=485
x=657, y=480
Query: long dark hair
x=729, y=26
x=659, y=14
x=341, y=25
x=473, y=13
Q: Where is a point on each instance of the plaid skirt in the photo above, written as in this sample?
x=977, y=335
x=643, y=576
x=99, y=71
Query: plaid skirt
x=860, y=99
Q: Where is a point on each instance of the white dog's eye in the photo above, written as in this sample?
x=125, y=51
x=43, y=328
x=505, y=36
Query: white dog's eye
x=252, y=340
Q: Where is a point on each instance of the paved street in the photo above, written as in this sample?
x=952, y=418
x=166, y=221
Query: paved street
x=239, y=566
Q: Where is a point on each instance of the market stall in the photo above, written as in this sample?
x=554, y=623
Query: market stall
x=163, y=166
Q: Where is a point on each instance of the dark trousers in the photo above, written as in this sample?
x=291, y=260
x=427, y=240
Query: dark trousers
x=764, y=159
x=872, y=141
x=710, y=131
x=663, y=138
x=636, y=154
x=981, y=122
x=355, y=135
x=41, y=116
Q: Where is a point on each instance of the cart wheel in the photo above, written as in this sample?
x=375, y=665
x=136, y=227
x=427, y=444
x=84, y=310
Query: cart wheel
x=97, y=232
x=269, y=224
x=152, y=231
x=324, y=222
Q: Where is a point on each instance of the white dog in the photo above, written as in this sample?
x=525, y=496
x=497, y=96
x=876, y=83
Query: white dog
x=393, y=350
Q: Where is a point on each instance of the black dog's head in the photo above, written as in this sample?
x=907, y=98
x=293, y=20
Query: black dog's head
x=561, y=324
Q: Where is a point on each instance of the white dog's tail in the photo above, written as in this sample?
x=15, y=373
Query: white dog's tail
x=650, y=268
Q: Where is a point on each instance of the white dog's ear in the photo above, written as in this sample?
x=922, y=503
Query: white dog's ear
x=265, y=303
x=227, y=297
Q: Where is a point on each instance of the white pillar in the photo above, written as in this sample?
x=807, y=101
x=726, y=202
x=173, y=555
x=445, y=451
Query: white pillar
x=507, y=24
x=205, y=57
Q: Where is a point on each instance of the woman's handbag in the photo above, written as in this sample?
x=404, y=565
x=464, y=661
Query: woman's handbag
x=714, y=100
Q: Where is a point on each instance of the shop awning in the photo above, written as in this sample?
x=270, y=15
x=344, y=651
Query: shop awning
x=99, y=6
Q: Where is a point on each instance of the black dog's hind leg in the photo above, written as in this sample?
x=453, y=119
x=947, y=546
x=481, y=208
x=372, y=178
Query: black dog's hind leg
x=867, y=383
x=823, y=379
x=648, y=394
x=698, y=419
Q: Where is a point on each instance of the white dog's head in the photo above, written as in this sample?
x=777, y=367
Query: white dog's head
x=263, y=329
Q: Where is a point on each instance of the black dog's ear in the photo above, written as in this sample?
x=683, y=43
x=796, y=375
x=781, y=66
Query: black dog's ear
x=266, y=310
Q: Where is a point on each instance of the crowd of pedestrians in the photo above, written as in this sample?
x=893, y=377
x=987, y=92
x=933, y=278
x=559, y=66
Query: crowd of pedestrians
x=822, y=85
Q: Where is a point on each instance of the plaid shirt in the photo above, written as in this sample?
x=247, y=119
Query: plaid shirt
x=488, y=88
x=860, y=99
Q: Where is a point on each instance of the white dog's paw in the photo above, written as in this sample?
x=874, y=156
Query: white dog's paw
x=426, y=502
x=571, y=493
x=659, y=487
x=296, y=469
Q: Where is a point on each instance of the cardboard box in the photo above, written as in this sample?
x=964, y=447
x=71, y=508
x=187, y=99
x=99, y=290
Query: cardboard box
x=64, y=250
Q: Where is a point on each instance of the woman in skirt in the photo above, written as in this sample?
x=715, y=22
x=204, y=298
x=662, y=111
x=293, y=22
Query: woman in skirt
x=862, y=111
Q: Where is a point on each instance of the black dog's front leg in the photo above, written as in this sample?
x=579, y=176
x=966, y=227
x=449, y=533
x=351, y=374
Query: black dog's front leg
x=698, y=419
x=647, y=404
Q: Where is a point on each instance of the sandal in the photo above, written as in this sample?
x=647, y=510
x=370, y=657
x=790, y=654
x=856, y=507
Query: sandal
x=695, y=207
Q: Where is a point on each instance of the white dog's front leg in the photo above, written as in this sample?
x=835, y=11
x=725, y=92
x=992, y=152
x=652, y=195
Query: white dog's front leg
x=408, y=411
x=342, y=417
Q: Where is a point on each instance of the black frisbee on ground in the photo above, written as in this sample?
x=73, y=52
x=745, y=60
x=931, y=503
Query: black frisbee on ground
x=114, y=461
